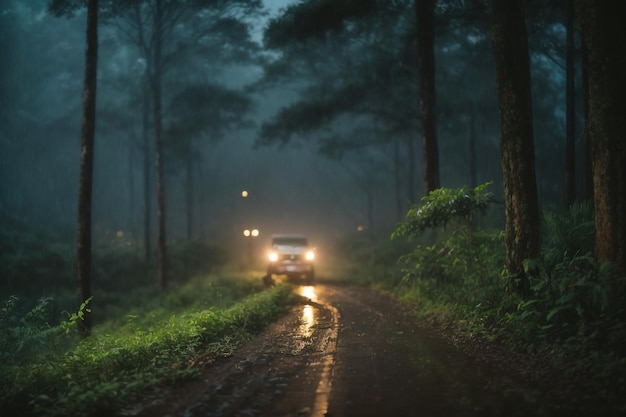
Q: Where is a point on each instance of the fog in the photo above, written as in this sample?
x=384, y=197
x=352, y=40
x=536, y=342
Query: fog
x=294, y=184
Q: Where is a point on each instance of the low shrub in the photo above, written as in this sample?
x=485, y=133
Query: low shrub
x=574, y=314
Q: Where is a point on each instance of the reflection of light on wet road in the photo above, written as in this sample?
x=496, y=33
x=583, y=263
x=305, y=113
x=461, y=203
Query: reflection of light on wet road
x=328, y=339
x=308, y=292
x=308, y=312
x=308, y=321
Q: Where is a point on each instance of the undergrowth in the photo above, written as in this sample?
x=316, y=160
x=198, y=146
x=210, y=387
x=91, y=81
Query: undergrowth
x=574, y=315
x=53, y=373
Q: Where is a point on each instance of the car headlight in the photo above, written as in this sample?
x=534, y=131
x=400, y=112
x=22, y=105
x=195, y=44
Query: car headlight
x=273, y=256
x=310, y=255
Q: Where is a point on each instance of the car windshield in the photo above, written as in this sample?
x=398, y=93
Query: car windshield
x=289, y=241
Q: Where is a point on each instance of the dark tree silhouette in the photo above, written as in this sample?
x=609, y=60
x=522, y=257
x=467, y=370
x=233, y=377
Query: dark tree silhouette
x=570, y=131
x=605, y=44
x=510, y=45
x=84, y=252
x=425, y=10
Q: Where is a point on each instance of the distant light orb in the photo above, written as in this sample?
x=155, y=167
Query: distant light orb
x=246, y=233
x=255, y=232
x=244, y=193
x=120, y=233
x=360, y=228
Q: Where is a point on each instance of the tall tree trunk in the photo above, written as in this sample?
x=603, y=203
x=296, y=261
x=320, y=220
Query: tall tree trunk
x=131, y=187
x=189, y=195
x=83, y=261
x=425, y=10
x=570, y=134
x=147, y=207
x=510, y=45
x=473, y=170
x=158, y=134
x=370, y=210
x=397, y=171
x=410, y=145
x=605, y=40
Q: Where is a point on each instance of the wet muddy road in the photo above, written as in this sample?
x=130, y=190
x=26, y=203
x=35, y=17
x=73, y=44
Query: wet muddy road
x=348, y=351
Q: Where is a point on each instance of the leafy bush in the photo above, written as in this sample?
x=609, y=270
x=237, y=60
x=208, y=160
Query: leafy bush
x=574, y=314
x=567, y=235
x=443, y=206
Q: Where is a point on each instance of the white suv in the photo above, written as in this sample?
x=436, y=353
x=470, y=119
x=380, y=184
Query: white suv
x=292, y=256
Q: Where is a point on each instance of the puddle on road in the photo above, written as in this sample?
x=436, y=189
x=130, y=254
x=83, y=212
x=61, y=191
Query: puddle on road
x=309, y=320
x=308, y=292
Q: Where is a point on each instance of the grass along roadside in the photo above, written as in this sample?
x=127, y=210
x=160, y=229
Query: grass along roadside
x=109, y=369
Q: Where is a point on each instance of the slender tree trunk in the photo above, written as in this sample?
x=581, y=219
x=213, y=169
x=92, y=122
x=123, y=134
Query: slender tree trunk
x=411, y=192
x=131, y=187
x=83, y=261
x=147, y=207
x=397, y=179
x=588, y=175
x=370, y=210
x=189, y=196
x=570, y=141
x=472, y=148
x=158, y=134
x=604, y=39
x=425, y=10
x=510, y=45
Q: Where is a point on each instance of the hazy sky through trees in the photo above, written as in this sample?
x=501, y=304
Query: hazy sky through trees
x=291, y=188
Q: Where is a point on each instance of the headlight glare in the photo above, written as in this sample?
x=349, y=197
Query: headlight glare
x=273, y=256
x=310, y=255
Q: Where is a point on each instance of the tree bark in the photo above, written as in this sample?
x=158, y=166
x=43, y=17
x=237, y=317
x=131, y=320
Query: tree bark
x=189, y=193
x=397, y=171
x=147, y=207
x=510, y=45
x=570, y=118
x=158, y=135
x=411, y=183
x=83, y=258
x=473, y=165
x=425, y=10
x=604, y=43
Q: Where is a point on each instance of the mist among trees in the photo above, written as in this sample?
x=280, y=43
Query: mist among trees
x=140, y=138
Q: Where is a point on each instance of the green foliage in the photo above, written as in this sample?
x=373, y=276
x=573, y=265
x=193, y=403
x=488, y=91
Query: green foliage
x=442, y=206
x=100, y=374
x=573, y=314
x=19, y=334
x=73, y=319
x=569, y=234
x=463, y=268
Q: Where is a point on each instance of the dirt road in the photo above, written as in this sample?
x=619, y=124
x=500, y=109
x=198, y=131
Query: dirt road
x=349, y=351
